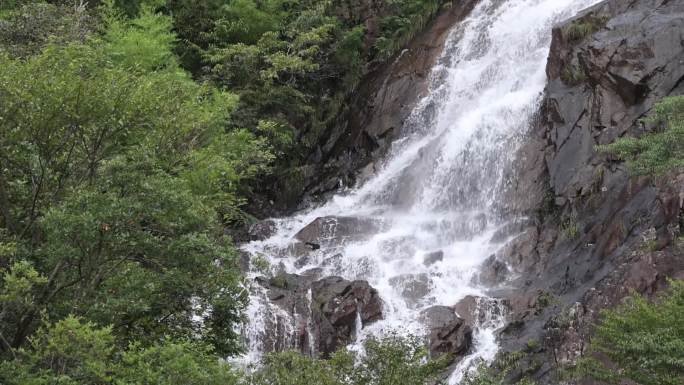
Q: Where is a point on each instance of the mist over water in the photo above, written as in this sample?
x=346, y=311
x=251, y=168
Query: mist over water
x=439, y=187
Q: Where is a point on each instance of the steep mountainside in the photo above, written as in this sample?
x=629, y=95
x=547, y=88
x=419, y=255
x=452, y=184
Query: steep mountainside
x=596, y=233
x=378, y=109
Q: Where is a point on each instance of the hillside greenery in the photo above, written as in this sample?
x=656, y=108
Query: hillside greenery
x=133, y=136
x=640, y=340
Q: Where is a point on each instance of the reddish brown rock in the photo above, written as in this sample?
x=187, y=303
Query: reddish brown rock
x=448, y=334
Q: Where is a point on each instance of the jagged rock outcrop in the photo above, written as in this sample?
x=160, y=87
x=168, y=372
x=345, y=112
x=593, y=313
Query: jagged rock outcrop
x=317, y=316
x=448, y=333
x=338, y=306
x=336, y=230
x=601, y=232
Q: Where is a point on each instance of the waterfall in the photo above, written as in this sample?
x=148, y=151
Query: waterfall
x=438, y=190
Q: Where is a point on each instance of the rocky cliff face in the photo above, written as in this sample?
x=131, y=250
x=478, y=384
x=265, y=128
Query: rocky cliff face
x=597, y=233
x=592, y=233
x=381, y=104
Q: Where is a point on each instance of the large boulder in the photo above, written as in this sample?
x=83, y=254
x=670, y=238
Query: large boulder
x=493, y=272
x=481, y=311
x=433, y=257
x=336, y=230
x=520, y=253
x=316, y=317
x=284, y=311
x=448, y=333
x=338, y=307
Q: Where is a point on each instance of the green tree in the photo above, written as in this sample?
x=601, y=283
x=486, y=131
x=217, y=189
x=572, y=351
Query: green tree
x=139, y=251
x=657, y=152
x=404, y=20
x=67, y=353
x=397, y=360
x=644, y=340
x=393, y=360
x=500, y=372
x=116, y=177
x=292, y=368
x=173, y=363
x=27, y=27
x=73, y=352
x=144, y=43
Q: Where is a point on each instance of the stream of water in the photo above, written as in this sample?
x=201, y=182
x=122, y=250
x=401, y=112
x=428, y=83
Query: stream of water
x=438, y=188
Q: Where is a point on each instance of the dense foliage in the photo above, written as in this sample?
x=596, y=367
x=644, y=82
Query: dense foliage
x=116, y=174
x=642, y=341
x=657, y=152
x=132, y=135
x=392, y=361
x=507, y=368
x=292, y=62
x=74, y=352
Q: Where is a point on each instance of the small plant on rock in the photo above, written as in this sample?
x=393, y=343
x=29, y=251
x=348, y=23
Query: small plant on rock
x=570, y=228
x=658, y=152
x=573, y=75
x=579, y=30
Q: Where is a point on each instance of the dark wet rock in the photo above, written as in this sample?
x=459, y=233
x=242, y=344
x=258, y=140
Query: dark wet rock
x=448, y=334
x=302, y=261
x=467, y=309
x=511, y=229
x=287, y=290
x=433, y=257
x=632, y=60
x=244, y=261
x=477, y=311
x=325, y=231
x=262, y=230
x=493, y=272
x=333, y=261
x=337, y=303
x=287, y=320
x=315, y=272
x=520, y=253
x=330, y=317
x=413, y=287
x=295, y=249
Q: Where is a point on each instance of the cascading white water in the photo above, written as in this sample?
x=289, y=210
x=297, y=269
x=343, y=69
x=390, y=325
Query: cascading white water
x=439, y=186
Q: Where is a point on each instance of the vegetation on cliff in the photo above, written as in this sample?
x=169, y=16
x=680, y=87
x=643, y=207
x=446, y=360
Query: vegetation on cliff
x=640, y=340
x=656, y=152
x=132, y=135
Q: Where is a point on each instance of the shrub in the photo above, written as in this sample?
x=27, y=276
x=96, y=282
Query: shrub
x=573, y=75
x=645, y=340
x=394, y=360
x=570, y=228
x=74, y=352
x=580, y=29
x=658, y=152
